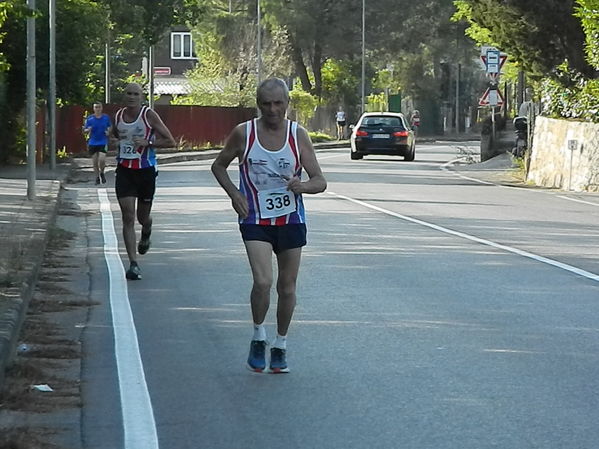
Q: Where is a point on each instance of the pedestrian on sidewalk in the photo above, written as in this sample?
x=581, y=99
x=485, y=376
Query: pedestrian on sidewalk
x=415, y=121
x=272, y=152
x=340, y=119
x=137, y=131
x=97, y=127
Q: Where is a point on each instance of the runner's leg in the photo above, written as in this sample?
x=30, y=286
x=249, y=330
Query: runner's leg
x=260, y=258
x=127, y=205
x=101, y=161
x=143, y=216
x=95, y=157
x=289, y=263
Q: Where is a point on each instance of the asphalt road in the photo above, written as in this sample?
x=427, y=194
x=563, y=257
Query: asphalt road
x=433, y=311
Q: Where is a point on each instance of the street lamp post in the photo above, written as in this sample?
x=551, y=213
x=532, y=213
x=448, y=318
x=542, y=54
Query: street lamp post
x=258, y=44
x=52, y=82
x=363, y=104
x=31, y=131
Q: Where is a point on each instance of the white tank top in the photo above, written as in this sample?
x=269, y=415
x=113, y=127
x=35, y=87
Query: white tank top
x=263, y=176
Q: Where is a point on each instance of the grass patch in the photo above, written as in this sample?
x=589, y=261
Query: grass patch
x=317, y=136
x=25, y=438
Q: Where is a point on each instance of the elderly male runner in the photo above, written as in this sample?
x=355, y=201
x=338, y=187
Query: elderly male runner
x=272, y=152
x=138, y=130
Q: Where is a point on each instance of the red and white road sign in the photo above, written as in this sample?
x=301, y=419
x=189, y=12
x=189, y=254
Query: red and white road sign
x=491, y=97
x=493, y=61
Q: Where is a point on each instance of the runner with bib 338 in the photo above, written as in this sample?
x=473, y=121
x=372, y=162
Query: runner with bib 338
x=272, y=153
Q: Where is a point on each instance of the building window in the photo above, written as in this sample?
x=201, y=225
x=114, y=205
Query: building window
x=182, y=46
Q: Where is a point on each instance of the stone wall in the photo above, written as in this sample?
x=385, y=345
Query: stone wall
x=565, y=155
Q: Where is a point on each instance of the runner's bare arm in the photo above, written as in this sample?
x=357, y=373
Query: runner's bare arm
x=234, y=147
x=316, y=182
x=162, y=136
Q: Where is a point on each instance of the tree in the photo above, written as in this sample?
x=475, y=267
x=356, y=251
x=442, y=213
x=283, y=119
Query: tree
x=540, y=34
x=79, y=25
x=554, y=41
x=588, y=13
x=316, y=30
x=226, y=46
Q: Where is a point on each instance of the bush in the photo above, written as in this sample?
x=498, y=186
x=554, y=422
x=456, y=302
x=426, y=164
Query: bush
x=571, y=96
x=304, y=104
x=320, y=137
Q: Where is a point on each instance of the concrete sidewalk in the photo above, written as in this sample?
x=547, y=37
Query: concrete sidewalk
x=25, y=227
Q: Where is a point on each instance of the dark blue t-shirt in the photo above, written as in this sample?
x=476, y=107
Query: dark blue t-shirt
x=97, y=136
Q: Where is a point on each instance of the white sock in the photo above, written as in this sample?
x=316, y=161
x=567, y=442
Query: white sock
x=280, y=342
x=259, y=332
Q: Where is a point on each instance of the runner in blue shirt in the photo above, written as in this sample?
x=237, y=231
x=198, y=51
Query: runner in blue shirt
x=97, y=126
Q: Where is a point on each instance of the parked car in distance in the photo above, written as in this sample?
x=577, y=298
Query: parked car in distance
x=385, y=133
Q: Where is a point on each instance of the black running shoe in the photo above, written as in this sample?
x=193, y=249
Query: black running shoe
x=257, y=357
x=278, y=361
x=98, y=180
x=102, y=178
x=144, y=244
x=133, y=273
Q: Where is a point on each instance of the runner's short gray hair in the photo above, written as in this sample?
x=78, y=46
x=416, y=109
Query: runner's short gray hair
x=271, y=83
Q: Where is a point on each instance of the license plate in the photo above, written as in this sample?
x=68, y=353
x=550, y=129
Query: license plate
x=380, y=136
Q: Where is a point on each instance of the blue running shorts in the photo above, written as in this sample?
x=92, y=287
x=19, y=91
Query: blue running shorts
x=280, y=237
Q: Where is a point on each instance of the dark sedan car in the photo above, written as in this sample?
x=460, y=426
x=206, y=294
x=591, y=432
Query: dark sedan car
x=383, y=133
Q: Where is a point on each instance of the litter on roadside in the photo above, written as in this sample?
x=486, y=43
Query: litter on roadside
x=44, y=388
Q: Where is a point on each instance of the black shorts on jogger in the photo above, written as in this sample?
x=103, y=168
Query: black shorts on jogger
x=93, y=149
x=139, y=183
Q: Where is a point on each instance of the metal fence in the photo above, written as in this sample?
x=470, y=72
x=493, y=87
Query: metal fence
x=192, y=126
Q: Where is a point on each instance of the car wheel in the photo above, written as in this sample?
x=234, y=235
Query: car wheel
x=355, y=156
x=411, y=155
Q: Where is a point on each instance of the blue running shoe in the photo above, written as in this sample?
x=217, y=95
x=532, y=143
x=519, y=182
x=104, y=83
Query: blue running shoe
x=257, y=357
x=278, y=361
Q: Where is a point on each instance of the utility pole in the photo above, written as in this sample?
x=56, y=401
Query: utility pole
x=520, y=92
x=107, y=70
x=52, y=86
x=151, y=76
x=457, y=98
x=31, y=132
x=259, y=43
x=363, y=104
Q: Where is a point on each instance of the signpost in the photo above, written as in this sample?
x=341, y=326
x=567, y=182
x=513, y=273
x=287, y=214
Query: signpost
x=493, y=61
x=492, y=97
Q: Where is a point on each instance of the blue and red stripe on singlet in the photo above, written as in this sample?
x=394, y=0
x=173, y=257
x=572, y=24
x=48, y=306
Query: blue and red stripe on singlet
x=148, y=154
x=247, y=187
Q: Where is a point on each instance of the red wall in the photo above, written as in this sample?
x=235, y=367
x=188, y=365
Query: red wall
x=191, y=125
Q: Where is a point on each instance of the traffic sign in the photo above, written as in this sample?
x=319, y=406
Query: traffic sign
x=493, y=60
x=491, y=97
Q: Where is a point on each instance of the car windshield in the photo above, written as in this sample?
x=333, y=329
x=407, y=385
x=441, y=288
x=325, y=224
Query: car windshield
x=381, y=121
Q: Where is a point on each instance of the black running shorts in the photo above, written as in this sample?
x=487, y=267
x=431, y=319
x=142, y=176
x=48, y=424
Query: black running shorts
x=280, y=237
x=139, y=183
x=93, y=149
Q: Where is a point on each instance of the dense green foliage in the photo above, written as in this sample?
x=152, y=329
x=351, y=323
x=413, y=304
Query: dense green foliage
x=83, y=28
x=412, y=48
x=555, y=42
x=304, y=104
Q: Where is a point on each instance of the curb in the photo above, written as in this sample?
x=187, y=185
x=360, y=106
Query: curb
x=43, y=210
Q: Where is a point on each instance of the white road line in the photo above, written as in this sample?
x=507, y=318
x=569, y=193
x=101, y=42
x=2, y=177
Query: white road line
x=554, y=263
x=445, y=168
x=578, y=201
x=138, y=417
x=459, y=175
